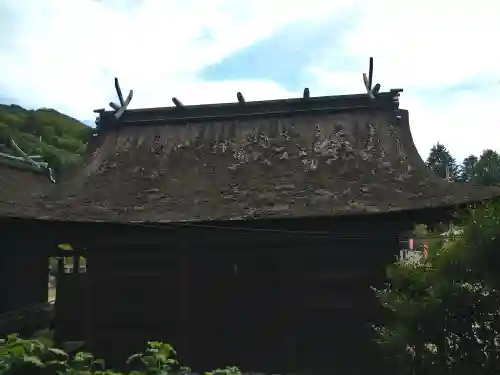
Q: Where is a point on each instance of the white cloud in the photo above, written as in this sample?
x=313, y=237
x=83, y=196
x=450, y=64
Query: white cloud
x=428, y=43
x=64, y=54
x=424, y=47
x=466, y=124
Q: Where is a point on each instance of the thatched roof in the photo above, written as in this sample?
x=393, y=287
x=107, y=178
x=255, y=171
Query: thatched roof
x=323, y=156
x=21, y=186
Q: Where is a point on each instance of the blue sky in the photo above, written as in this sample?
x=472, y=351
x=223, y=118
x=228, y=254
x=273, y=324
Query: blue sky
x=65, y=54
x=281, y=57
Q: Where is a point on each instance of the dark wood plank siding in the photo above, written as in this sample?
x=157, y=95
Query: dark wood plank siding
x=258, y=302
x=72, y=299
x=211, y=304
x=337, y=305
x=4, y=281
x=135, y=299
x=25, y=279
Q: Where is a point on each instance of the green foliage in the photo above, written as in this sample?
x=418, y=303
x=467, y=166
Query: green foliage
x=157, y=359
x=468, y=169
x=445, y=313
x=482, y=170
x=232, y=370
x=63, y=139
x=37, y=356
x=440, y=161
x=486, y=171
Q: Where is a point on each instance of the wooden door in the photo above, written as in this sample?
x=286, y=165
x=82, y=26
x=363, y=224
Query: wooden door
x=134, y=298
x=211, y=311
x=234, y=311
x=257, y=321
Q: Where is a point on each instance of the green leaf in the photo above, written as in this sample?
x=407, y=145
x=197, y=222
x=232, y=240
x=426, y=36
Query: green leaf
x=18, y=350
x=58, y=352
x=65, y=246
x=33, y=360
x=83, y=356
x=12, y=337
x=133, y=357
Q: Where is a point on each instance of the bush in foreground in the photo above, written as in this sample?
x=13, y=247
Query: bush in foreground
x=37, y=356
x=445, y=312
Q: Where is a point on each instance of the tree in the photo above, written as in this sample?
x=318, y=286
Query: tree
x=59, y=139
x=440, y=161
x=468, y=169
x=487, y=169
x=484, y=170
x=444, y=313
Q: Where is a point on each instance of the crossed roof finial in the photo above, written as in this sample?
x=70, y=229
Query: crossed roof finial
x=368, y=80
x=119, y=109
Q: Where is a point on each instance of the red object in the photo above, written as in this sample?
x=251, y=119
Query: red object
x=411, y=244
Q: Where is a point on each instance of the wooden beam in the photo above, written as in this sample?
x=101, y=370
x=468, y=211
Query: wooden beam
x=89, y=313
x=59, y=301
x=240, y=97
x=288, y=309
x=76, y=263
x=119, y=109
x=177, y=102
x=184, y=321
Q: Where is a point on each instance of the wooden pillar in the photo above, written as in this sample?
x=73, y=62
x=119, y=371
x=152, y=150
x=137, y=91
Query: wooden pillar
x=90, y=276
x=4, y=277
x=288, y=313
x=42, y=267
x=59, y=301
x=60, y=269
x=76, y=262
x=44, y=278
x=184, y=326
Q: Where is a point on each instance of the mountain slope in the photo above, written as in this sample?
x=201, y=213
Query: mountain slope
x=59, y=139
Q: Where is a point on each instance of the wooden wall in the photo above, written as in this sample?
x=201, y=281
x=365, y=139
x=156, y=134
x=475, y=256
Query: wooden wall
x=71, y=301
x=135, y=297
x=24, y=284
x=24, y=279
x=24, y=262
x=268, y=303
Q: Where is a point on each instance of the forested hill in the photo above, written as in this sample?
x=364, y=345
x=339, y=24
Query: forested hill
x=59, y=139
